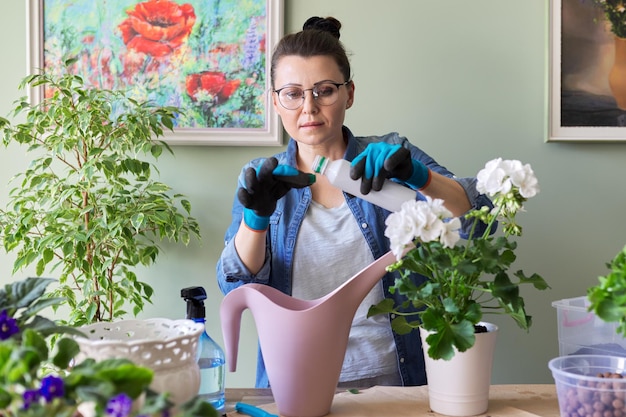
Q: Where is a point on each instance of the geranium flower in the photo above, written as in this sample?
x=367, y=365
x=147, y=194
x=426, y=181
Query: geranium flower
x=210, y=86
x=492, y=179
x=509, y=184
x=524, y=178
x=500, y=176
x=52, y=387
x=8, y=326
x=426, y=220
x=157, y=27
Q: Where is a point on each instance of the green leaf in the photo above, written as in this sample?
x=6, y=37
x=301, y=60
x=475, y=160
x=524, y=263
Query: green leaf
x=33, y=339
x=536, y=280
x=25, y=360
x=6, y=349
x=67, y=349
x=384, y=306
x=22, y=294
x=442, y=343
x=127, y=378
x=138, y=220
x=608, y=310
x=197, y=407
x=5, y=399
x=402, y=326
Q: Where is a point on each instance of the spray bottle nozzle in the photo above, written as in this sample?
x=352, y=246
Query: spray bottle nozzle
x=193, y=293
x=194, y=296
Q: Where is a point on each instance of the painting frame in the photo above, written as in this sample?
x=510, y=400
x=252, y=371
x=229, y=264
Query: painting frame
x=587, y=126
x=269, y=134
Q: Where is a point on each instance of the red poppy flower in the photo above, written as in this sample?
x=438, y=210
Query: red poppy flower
x=212, y=84
x=157, y=27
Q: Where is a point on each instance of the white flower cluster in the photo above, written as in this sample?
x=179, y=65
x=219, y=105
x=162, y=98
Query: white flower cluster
x=425, y=220
x=499, y=176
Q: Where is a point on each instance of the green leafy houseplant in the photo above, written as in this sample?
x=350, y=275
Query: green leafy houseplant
x=87, y=205
x=463, y=280
x=608, y=298
x=615, y=12
x=36, y=381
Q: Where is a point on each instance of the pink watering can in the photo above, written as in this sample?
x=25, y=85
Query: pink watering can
x=303, y=342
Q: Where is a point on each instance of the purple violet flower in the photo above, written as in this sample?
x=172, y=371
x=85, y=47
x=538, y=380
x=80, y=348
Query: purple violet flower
x=52, y=387
x=30, y=396
x=8, y=326
x=119, y=406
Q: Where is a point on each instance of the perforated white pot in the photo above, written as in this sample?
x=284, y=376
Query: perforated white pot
x=168, y=347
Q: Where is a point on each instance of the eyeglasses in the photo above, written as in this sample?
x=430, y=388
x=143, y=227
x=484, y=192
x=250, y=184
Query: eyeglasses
x=324, y=93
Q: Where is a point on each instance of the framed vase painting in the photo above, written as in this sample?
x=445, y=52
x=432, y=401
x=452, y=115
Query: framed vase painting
x=585, y=96
x=208, y=58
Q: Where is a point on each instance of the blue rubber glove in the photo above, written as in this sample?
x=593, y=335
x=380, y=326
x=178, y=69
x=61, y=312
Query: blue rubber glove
x=264, y=187
x=382, y=160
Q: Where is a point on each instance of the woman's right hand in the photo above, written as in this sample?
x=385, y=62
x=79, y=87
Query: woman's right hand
x=264, y=187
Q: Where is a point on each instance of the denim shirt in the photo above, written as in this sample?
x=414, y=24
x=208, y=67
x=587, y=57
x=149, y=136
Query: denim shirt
x=283, y=230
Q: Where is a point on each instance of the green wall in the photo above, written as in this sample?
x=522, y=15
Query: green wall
x=464, y=80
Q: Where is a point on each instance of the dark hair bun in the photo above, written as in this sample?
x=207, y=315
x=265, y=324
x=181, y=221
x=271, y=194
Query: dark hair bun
x=326, y=24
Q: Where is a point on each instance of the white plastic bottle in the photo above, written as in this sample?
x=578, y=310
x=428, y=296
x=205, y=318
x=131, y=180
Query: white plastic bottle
x=211, y=360
x=390, y=197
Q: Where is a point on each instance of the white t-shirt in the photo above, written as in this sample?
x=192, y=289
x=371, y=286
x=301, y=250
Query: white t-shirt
x=329, y=250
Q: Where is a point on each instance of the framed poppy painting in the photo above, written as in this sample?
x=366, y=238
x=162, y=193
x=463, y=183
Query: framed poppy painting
x=208, y=58
x=587, y=92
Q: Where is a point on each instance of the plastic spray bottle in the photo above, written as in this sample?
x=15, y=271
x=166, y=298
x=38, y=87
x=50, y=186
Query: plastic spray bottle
x=210, y=355
x=390, y=197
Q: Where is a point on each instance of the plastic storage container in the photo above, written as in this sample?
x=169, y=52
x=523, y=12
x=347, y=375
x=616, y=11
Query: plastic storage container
x=590, y=385
x=582, y=332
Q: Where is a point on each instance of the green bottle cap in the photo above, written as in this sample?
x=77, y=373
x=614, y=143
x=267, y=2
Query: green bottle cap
x=319, y=164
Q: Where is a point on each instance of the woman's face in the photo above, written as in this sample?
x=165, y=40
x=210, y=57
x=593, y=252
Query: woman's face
x=312, y=123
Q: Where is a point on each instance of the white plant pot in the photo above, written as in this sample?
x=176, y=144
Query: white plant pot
x=168, y=347
x=460, y=386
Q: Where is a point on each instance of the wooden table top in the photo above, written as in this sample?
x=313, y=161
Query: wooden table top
x=509, y=400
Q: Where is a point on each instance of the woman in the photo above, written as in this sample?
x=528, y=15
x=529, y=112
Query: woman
x=307, y=237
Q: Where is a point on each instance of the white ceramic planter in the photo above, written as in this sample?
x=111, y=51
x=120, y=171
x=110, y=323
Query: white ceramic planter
x=168, y=347
x=460, y=386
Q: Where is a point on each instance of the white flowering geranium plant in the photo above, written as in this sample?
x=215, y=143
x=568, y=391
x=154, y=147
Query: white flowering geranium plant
x=39, y=376
x=465, y=278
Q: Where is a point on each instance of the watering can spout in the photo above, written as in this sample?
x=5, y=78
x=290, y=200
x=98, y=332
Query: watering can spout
x=231, y=310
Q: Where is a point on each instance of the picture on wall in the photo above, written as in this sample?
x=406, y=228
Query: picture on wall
x=587, y=92
x=209, y=58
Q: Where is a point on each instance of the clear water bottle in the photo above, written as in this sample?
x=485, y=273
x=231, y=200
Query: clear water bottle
x=390, y=197
x=210, y=355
